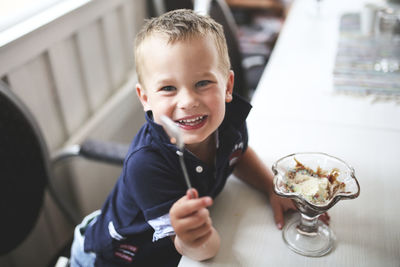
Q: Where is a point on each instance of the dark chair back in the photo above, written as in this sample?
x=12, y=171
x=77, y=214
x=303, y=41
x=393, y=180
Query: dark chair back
x=26, y=172
x=221, y=13
x=23, y=170
x=168, y=5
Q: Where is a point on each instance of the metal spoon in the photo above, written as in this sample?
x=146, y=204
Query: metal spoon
x=176, y=137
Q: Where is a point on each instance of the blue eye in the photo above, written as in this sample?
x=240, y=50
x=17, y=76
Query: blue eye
x=168, y=88
x=202, y=83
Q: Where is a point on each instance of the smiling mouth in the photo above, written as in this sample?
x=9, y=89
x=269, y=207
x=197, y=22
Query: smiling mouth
x=191, y=122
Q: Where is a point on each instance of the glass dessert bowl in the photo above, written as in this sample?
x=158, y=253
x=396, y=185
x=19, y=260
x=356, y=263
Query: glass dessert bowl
x=315, y=182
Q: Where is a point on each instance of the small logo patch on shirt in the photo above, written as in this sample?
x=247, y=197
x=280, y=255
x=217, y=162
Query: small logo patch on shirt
x=123, y=256
x=236, y=153
x=126, y=252
x=129, y=247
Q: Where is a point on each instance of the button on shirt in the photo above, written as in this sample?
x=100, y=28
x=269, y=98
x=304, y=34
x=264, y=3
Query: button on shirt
x=199, y=169
x=150, y=182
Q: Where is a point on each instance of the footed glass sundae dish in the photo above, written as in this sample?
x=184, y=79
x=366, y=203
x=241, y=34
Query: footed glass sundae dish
x=315, y=182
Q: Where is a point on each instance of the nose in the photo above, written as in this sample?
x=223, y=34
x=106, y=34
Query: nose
x=187, y=99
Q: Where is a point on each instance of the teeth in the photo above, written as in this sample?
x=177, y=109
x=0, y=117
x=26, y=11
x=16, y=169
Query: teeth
x=191, y=120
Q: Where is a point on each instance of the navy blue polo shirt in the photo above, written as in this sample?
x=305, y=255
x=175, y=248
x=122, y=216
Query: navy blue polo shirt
x=151, y=181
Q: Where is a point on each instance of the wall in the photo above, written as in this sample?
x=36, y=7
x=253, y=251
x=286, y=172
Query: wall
x=76, y=75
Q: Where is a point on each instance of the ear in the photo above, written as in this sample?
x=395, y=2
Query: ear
x=141, y=93
x=229, y=87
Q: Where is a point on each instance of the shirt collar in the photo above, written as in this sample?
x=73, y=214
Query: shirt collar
x=157, y=128
x=236, y=112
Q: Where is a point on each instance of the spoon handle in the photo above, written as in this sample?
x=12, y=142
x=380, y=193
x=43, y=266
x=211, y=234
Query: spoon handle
x=185, y=174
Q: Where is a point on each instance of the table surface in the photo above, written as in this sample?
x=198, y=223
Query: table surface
x=296, y=109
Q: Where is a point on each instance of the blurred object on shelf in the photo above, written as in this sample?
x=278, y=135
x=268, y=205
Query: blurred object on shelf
x=264, y=4
x=387, y=38
x=260, y=35
x=368, y=17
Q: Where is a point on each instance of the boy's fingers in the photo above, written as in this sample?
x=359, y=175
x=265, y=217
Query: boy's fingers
x=186, y=208
x=278, y=216
x=200, y=230
x=325, y=218
x=196, y=220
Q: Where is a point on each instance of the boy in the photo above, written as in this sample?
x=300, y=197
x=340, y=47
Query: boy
x=149, y=219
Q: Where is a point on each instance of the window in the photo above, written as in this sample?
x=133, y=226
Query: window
x=16, y=11
x=19, y=17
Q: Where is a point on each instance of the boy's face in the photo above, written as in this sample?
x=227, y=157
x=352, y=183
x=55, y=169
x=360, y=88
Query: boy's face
x=183, y=81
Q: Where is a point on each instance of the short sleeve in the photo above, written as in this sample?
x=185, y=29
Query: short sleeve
x=162, y=227
x=153, y=177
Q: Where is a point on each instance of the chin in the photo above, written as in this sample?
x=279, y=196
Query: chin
x=195, y=140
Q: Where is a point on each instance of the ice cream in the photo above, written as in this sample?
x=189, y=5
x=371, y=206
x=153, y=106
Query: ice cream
x=315, y=186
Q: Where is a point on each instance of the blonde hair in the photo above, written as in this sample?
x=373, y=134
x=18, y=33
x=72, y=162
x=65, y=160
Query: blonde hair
x=181, y=25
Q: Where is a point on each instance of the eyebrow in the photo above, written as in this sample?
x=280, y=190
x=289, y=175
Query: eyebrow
x=207, y=74
x=165, y=81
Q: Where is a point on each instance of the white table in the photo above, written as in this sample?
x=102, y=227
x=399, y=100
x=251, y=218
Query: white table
x=296, y=109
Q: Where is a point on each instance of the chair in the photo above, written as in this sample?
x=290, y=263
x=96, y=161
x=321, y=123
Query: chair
x=26, y=170
x=247, y=68
x=157, y=7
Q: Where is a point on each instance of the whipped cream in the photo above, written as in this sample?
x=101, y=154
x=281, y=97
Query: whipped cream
x=315, y=186
x=314, y=189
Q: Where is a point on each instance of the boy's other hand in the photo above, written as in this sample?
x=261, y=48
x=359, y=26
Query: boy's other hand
x=280, y=205
x=191, y=220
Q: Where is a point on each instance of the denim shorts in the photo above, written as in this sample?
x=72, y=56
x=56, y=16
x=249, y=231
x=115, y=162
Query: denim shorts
x=80, y=258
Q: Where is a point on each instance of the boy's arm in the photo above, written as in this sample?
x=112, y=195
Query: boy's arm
x=253, y=171
x=195, y=236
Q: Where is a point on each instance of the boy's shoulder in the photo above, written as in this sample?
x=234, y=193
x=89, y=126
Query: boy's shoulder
x=146, y=141
x=149, y=145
